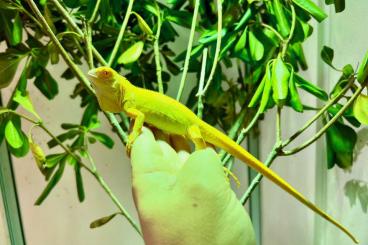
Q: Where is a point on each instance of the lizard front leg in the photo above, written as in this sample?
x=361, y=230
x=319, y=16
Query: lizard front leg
x=138, y=118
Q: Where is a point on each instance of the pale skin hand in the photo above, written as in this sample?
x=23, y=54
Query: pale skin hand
x=185, y=199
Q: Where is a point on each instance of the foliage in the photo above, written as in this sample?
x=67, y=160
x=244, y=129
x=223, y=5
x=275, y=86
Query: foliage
x=263, y=40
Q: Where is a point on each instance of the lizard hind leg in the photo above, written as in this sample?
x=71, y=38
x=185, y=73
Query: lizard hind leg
x=232, y=175
x=194, y=134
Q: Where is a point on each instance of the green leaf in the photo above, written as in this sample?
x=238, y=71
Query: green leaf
x=310, y=88
x=8, y=66
x=339, y=6
x=47, y=84
x=101, y=221
x=312, y=9
x=342, y=140
x=280, y=81
x=89, y=119
x=38, y=155
x=258, y=93
x=12, y=135
x=227, y=46
x=132, y=54
x=327, y=55
x=363, y=197
x=103, y=138
x=294, y=95
x=281, y=19
x=211, y=36
x=256, y=47
x=363, y=69
x=17, y=30
x=62, y=137
x=143, y=24
x=25, y=101
x=182, y=18
x=240, y=45
x=23, y=150
x=53, y=159
x=79, y=182
x=360, y=109
x=52, y=183
x=267, y=90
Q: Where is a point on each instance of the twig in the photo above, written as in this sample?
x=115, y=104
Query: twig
x=74, y=26
x=320, y=112
x=255, y=182
x=278, y=126
x=201, y=84
x=189, y=50
x=156, y=49
x=293, y=21
x=98, y=177
x=243, y=133
x=274, y=31
x=327, y=125
x=218, y=45
x=121, y=33
x=94, y=13
x=88, y=42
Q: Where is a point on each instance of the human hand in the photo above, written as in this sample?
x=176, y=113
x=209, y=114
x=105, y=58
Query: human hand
x=185, y=199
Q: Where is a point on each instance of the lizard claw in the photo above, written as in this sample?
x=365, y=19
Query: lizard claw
x=228, y=172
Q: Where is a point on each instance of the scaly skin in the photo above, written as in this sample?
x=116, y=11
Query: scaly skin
x=116, y=94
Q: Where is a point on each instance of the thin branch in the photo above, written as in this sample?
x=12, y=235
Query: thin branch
x=98, y=177
x=243, y=133
x=218, y=45
x=327, y=125
x=278, y=126
x=189, y=50
x=121, y=33
x=201, y=83
x=94, y=13
x=74, y=26
x=320, y=112
x=293, y=21
x=88, y=41
x=255, y=182
x=156, y=48
x=274, y=31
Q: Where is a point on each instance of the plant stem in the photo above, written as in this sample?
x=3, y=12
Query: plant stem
x=98, y=177
x=115, y=200
x=94, y=13
x=278, y=149
x=121, y=33
x=242, y=135
x=79, y=74
x=74, y=26
x=156, y=49
x=218, y=45
x=293, y=21
x=327, y=125
x=274, y=31
x=278, y=126
x=320, y=112
x=255, y=182
x=189, y=50
x=88, y=42
x=201, y=84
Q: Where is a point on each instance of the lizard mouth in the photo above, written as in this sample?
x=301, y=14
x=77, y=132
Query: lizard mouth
x=92, y=74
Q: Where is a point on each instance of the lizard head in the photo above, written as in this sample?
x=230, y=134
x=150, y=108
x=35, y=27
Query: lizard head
x=102, y=76
x=109, y=90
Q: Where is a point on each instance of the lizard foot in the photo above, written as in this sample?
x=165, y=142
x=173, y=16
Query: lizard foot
x=228, y=172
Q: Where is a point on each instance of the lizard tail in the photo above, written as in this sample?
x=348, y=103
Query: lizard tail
x=215, y=137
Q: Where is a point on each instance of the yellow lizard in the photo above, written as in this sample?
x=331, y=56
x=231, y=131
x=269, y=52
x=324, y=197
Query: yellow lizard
x=116, y=94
